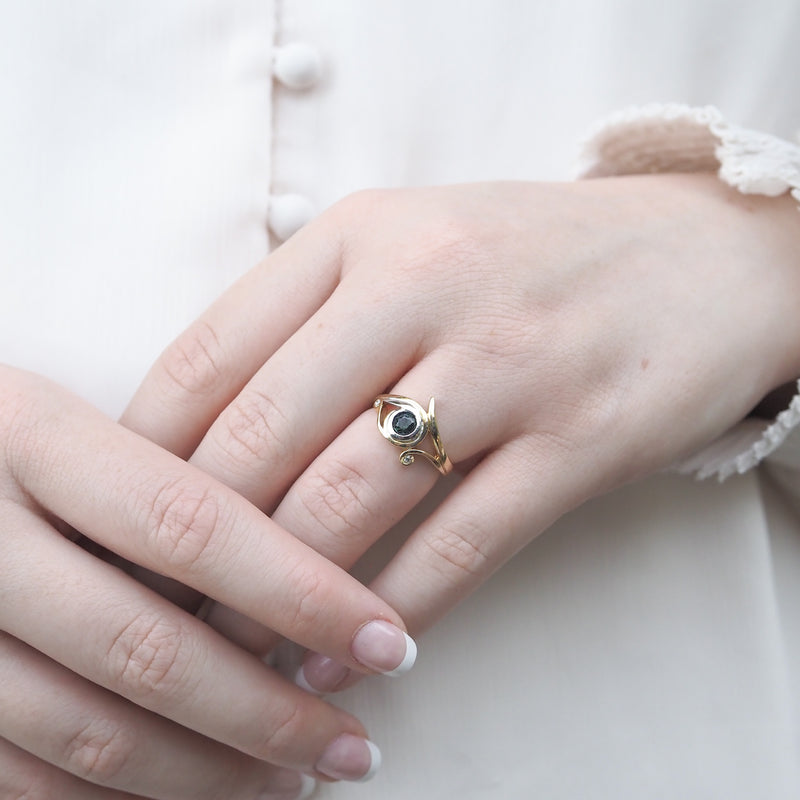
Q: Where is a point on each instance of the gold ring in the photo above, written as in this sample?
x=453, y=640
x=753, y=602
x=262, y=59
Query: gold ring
x=406, y=425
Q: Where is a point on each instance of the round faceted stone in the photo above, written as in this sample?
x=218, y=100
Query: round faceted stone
x=404, y=423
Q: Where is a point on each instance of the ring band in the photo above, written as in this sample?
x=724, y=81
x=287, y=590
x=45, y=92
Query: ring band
x=406, y=425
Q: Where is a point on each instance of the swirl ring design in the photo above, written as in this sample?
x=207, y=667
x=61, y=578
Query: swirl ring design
x=405, y=423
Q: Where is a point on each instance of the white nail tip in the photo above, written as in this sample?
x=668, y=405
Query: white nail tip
x=408, y=659
x=375, y=762
x=300, y=680
x=307, y=786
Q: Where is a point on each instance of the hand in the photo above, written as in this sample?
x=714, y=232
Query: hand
x=575, y=337
x=106, y=680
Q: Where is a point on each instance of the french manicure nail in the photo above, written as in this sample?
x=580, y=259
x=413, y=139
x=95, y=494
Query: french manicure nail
x=383, y=647
x=320, y=674
x=302, y=792
x=350, y=758
x=307, y=786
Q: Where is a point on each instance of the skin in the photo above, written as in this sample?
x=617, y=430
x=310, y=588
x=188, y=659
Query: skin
x=575, y=337
x=108, y=680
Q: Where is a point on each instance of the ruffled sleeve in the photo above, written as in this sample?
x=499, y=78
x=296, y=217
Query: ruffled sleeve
x=679, y=138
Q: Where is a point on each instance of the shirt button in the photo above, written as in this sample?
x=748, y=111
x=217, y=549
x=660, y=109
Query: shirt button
x=288, y=213
x=297, y=65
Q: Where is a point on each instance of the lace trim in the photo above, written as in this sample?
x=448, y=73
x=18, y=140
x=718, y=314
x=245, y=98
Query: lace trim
x=680, y=138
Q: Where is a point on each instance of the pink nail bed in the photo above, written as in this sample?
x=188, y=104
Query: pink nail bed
x=320, y=674
x=350, y=758
x=302, y=788
x=384, y=648
x=379, y=645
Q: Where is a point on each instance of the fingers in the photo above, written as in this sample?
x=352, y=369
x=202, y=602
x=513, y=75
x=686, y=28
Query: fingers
x=355, y=490
x=153, y=509
x=477, y=528
x=481, y=525
x=239, y=629
x=120, y=636
x=100, y=740
x=358, y=488
x=293, y=407
x=346, y=499
x=207, y=366
x=24, y=776
x=352, y=493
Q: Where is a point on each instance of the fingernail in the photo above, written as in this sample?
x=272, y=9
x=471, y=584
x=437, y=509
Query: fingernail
x=320, y=674
x=350, y=758
x=307, y=786
x=383, y=647
x=298, y=787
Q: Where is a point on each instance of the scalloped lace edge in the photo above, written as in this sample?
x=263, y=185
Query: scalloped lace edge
x=681, y=138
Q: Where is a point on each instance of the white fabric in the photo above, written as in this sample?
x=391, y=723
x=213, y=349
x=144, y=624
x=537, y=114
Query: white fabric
x=647, y=645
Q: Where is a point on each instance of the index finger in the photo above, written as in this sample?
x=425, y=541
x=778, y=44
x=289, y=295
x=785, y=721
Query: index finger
x=154, y=509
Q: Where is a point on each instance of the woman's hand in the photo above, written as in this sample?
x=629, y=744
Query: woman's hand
x=575, y=337
x=106, y=680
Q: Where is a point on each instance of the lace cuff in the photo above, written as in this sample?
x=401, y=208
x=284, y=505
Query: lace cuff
x=679, y=138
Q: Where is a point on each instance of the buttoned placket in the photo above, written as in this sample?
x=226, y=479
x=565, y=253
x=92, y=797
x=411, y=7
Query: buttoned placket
x=296, y=67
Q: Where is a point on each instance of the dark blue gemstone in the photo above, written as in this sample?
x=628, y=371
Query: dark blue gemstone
x=404, y=423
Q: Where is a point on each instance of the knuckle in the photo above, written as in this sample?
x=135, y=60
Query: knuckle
x=451, y=240
x=456, y=242
x=192, y=363
x=99, y=751
x=182, y=520
x=354, y=206
x=446, y=248
x=355, y=213
x=150, y=656
x=23, y=424
x=335, y=496
x=461, y=549
x=256, y=430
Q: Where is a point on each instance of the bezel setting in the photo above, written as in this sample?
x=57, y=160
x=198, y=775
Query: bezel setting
x=398, y=410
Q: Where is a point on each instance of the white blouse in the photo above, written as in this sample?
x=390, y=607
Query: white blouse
x=646, y=646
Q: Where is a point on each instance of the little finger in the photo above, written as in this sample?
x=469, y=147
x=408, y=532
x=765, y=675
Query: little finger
x=102, y=740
